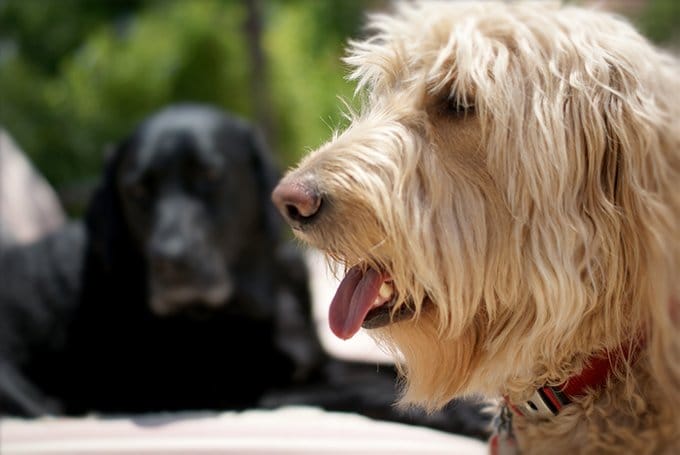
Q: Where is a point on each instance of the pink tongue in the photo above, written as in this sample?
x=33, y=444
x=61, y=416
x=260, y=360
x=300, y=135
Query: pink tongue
x=353, y=300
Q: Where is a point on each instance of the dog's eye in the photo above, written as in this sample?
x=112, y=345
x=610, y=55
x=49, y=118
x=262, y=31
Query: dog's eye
x=211, y=175
x=458, y=107
x=137, y=191
x=206, y=181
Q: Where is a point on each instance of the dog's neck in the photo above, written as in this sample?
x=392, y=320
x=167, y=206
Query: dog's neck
x=547, y=401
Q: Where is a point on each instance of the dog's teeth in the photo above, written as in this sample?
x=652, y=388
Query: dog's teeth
x=384, y=294
x=386, y=290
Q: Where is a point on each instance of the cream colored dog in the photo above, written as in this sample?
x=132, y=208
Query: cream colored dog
x=507, y=205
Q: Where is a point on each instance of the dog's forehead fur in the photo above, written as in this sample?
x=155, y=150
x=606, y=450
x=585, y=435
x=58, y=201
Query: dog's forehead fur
x=192, y=133
x=474, y=42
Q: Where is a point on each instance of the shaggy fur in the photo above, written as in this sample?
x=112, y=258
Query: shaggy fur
x=515, y=169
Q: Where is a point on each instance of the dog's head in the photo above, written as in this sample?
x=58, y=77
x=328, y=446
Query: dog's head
x=506, y=202
x=189, y=189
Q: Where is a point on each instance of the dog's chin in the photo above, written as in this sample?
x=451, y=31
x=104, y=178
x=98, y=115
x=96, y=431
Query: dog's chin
x=198, y=302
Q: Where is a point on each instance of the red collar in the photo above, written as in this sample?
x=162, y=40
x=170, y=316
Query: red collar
x=548, y=401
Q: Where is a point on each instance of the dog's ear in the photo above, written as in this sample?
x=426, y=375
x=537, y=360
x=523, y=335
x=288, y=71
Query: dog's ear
x=639, y=175
x=267, y=175
x=104, y=220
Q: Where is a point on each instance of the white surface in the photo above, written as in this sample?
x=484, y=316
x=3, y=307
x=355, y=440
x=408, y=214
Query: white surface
x=29, y=208
x=323, y=285
x=295, y=430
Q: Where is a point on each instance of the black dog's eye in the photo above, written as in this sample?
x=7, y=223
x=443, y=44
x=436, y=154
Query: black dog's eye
x=138, y=191
x=204, y=173
x=206, y=180
x=211, y=175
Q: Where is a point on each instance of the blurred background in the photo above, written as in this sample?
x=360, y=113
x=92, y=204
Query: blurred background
x=76, y=75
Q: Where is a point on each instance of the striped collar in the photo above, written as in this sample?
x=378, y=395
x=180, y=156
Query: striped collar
x=548, y=401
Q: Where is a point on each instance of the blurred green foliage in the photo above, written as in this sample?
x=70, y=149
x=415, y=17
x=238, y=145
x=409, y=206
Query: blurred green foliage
x=76, y=75
x=307, y=76
x=660, y=21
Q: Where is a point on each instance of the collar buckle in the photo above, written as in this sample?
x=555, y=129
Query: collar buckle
x=545, y=403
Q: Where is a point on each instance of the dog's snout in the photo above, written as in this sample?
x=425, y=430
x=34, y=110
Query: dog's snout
x=170, y=253
x=298, y=202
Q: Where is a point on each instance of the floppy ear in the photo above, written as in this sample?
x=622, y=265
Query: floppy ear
x=640, y=169
x=107, y=230
x=267, y=175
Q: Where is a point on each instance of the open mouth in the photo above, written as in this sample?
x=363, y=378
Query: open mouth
x=365, y=298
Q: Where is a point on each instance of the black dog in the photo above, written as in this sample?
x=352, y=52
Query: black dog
x=178, y=294
x=39, y=294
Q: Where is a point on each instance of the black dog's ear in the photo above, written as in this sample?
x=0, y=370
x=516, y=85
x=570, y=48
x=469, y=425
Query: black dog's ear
x=267, y=174
x=104, y=220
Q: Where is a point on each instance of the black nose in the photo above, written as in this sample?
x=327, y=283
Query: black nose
x=167, y=268
x=169, y=255
x=298, y=202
